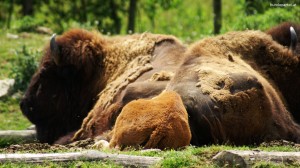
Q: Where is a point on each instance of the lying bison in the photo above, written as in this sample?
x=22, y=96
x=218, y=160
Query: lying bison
x=223, y=87
x=226, y=84
x=75, y=68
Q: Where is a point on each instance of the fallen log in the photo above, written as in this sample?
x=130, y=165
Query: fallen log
x=89, y=155
x=234, y=158
x=18, y=136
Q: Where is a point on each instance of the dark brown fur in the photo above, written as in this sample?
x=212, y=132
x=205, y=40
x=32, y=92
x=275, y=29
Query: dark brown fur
x=281, y=34
x=287, y=78
x=60, y=96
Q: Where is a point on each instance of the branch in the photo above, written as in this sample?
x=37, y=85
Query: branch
x=89, y=155
x=21, y=136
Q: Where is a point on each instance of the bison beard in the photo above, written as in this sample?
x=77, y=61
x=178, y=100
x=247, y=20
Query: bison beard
x=234, y=86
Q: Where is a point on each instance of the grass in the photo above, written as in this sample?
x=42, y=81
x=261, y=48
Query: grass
x=58, y=165
x=188, y=157
x=10, y=46
x=10, y=115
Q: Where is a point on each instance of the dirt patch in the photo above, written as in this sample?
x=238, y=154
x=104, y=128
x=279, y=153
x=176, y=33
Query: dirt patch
x=280, y=143
x=46, y=148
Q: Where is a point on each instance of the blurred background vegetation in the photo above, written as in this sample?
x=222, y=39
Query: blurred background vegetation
x=21, y=41
x=187, y=19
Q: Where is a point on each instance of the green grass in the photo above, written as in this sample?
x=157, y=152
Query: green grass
x=10, y=46
x=10, y=115
x=76, y=164
x=188, y=157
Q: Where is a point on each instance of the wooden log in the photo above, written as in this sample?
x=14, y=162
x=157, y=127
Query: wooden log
x=234, y=158
x=18, y=136
x=89, y=155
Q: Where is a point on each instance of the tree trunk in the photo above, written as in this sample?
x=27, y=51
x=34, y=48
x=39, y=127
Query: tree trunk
x=217, y=16
x=27, y=7
x=83, y=11
x=90, y=155
x=233, y=158
x=114, y=16
x=10, y=11
x=131, y=16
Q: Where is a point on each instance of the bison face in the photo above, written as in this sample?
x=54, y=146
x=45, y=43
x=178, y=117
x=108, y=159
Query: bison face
x=64, y=88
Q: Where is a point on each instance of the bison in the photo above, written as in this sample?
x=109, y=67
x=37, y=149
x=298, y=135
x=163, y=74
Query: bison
x=229, y=85
x=287, y=78
x=221, y=80
x=75, y=68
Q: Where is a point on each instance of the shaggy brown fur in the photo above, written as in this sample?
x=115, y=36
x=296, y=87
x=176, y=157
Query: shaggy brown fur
x=229, y=84
x=167, y=56
x=225, y=89
x=67, y=83
x=227, y=96
x=161, y=122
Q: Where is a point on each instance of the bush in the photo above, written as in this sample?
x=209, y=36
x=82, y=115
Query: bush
x=24, y=67
x=28, y=24
x=266, y=20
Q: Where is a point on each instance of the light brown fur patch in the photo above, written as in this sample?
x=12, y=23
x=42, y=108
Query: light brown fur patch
x=161, y=122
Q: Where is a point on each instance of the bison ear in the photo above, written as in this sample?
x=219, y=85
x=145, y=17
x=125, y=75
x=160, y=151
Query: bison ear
x=294, y=39
x=54, y=50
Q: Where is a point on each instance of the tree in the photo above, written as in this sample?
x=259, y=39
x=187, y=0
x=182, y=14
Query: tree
x=10, y=11
x=217, y=4
x=115, y=17
x=27, y=7
x=131, y=15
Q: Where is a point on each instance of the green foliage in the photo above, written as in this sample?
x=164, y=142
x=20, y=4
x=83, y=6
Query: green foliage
x=25, y=66
x=266, y=20
x=28, y=24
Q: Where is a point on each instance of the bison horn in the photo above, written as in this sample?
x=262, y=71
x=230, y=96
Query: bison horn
x=294, y=39
x=54, y=49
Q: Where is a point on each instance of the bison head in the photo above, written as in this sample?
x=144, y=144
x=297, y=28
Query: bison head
x=286, y=35
x=66, y=84
x=287, y=78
